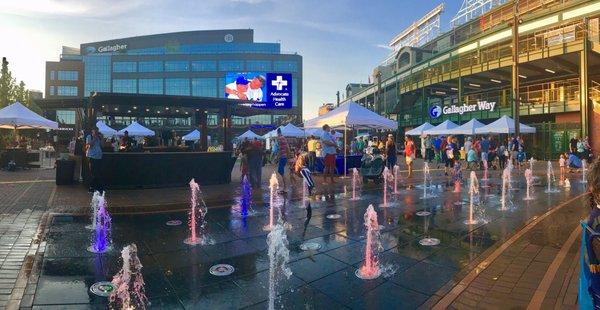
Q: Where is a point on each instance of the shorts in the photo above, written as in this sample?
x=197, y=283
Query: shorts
x=281, y=165
x=409, y=159
x=330, y=160
x=484, y=156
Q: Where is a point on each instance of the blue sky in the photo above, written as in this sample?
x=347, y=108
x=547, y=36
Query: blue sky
x=340, y=41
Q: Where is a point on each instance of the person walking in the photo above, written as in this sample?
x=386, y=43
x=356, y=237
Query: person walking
x=282, y=157
x=409, y=152
x=328, y=146
x=93, y=144
x=255, y=162
x=390, y=152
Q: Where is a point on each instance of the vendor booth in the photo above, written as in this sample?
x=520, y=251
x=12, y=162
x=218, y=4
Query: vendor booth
x=17, y=117
x=418, y=131
x=351, y=116
x=152, y=164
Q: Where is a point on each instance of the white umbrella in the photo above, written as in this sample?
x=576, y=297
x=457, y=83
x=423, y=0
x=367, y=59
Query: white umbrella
x=194, y=135
x=419, y=130
x=467, y=128
x=250, y=135
x=505, y=125
x=105, y=130
x=17, y=116
x=441, y=129
x=136, y=130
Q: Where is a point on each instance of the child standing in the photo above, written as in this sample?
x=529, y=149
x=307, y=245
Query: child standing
x=243, y=165
x=562, y=163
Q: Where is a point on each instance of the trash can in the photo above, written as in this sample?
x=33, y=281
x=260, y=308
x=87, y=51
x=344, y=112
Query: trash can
x=64, y=172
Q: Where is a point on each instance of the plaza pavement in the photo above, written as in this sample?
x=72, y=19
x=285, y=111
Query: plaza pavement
x=509, y=276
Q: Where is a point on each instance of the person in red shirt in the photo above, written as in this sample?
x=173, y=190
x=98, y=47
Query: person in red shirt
x=409, y=152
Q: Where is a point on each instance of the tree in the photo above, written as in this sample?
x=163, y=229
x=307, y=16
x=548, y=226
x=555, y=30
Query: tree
x=21, y=94
x=7, y=84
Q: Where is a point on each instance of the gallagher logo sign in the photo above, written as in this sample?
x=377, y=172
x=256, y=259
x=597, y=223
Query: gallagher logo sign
x=435, y=111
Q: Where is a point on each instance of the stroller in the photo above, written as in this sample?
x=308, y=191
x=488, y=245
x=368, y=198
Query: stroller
x=371, y=166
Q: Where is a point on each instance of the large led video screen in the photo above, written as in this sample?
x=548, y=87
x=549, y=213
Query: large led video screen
x=263, y=90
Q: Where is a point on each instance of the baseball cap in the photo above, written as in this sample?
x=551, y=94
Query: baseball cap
x=241, y=80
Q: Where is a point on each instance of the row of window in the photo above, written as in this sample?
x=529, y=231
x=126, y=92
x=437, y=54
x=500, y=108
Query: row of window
x=67, y=91
x=199, y=87
x=204, y=65
x=64, y=75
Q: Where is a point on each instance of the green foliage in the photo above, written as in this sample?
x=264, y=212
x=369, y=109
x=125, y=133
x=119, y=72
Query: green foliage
x=10, y=91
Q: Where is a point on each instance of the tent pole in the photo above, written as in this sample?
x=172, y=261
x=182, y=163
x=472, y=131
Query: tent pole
x=345, y=153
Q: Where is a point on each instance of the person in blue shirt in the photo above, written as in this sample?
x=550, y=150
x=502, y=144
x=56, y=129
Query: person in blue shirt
x=93, y=146
x=471, y=158
x=574, y=162
x=485, y=148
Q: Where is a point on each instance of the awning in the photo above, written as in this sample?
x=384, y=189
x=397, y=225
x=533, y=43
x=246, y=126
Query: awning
x=136, y=130
x=419, y=130
x=352, y=115
x=441, y=129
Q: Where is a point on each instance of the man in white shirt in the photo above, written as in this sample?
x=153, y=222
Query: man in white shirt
x=237, y=89
x=255, y=92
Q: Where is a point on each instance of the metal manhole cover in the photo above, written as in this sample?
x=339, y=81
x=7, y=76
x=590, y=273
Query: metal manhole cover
x=310, y=246
x=173, y=223
x=221, y=270
x=103, y=288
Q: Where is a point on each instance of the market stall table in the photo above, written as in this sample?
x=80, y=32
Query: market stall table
x=353, y=161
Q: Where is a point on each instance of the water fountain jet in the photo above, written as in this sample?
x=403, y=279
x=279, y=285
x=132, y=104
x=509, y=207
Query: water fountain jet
x=101, y=240
x=129, y=283
x=370, y=268
x=279, y=256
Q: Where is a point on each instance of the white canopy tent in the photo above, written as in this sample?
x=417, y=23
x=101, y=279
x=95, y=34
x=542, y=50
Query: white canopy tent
x=17, y=116
x=467, y=128
x=136, y=130
x=504, y=125
x=419, y=130
x=250, y=135
x=288, y=130
x=441, y=129
x=105, y=130
x=351, y=116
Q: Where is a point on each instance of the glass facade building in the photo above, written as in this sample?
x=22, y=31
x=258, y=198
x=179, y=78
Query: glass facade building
x=191, y=63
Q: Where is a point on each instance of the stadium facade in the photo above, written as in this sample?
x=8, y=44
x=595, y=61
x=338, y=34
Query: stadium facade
x=468, y=73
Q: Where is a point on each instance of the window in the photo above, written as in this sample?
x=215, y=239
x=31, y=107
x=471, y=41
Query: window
x=177, y=87
x=97, y=74
x=124, y=66
x=65, y=117
x=68, y=75
x=204, y=65
x=286, y=66
x=204, y=87
x=150, y=66
x=231, y=65
x=150, y=86
x=52, y=75
x=176, y=66
x=51, y=90
x=124, y=86
x=295, y=92
x=258, y=65
x=70, y=91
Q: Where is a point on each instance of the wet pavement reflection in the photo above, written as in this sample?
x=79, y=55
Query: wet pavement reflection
x=177, y=275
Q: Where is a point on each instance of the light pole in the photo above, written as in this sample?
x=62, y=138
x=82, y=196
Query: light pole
x=515, y=67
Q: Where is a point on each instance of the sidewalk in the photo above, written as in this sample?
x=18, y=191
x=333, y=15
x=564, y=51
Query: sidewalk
x=537, y=268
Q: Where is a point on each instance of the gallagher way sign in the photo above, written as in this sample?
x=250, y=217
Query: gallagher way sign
x=437, y=111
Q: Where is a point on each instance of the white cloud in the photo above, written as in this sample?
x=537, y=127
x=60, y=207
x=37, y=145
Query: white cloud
x=90, y=8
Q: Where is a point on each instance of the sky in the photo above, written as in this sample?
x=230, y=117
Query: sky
x=341, y=41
